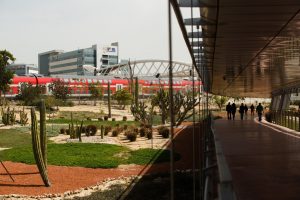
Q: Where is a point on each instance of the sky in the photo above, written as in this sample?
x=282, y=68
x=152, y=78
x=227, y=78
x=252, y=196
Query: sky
x=29, y=27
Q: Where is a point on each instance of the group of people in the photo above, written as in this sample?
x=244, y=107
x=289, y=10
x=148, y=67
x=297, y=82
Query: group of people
x=231, y=110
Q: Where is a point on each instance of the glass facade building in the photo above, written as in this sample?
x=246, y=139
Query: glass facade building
x=23, y=69
x=78, y=62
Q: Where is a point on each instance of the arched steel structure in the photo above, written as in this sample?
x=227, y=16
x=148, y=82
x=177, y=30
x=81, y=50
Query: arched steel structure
x=147, y=68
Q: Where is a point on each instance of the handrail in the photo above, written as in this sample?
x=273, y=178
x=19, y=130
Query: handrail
x=225, y=186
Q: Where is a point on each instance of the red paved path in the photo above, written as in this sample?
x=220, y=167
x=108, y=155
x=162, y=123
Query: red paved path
x=264, y=163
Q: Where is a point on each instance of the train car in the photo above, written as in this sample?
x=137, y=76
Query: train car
x=78, y=86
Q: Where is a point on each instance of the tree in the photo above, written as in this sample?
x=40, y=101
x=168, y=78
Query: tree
x=161, y=99
x=123, y=97
x=220, y=101
x=60, y=89
x=5, y=74
x=29, y=93
x=96, y=91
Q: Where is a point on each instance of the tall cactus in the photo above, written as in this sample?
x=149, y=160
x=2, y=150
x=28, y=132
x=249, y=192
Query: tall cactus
x=136, y=93
x=37, y=147
x=43, y=132
x=108, y=96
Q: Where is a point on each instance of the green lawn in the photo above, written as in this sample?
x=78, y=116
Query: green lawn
x=88, y=155
x=15, y=137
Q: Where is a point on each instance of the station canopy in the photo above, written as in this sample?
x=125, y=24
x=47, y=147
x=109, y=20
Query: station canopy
x=243, y=48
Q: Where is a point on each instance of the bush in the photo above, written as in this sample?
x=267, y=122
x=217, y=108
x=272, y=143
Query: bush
x=68, y=131
x=91, y=130
x=107, y=129
x=131, y=135
x=105, y=118
x=149, y=134
x=124, y=118
x=142, y=132
x=62, y=131
x=88, y=119
x=125, y=127
x=83, y=129
x=113, y=119
x=100, y=119
x=164, y=132
x=115, y=132
x=159, y=129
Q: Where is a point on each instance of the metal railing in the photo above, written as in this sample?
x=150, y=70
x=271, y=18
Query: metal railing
x=286, y=118
x=217, y=180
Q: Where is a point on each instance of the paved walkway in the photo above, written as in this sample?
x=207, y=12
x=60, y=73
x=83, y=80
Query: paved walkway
x=264, y=162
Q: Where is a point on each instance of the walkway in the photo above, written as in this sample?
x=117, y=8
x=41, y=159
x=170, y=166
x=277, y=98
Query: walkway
x=264, y=163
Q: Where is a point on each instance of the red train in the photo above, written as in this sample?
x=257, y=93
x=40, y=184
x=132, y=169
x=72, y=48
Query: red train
x=79, y=86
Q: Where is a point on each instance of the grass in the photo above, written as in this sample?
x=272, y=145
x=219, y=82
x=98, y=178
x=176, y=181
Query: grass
x=14, y=137
x=87, y=155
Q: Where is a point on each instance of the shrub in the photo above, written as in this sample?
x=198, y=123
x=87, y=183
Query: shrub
x=124, y=118
x=149, y=134
x=159, y=129
x=113, y=119
x=88, y=119
x=131, y=135
x=154, y=112
x=100, y=119
x=91, y=130
x=83, y=129
x=115, y=132
x=147, y=126
x=68, y=131
x=125, y=127
x=142, y=132
x=107, y=129
x=164, y=132
x=105, y=118
x=62, y=131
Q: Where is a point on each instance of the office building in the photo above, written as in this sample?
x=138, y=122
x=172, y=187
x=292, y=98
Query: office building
x=78, y=62
x=43, y=61
x=23, y=69
x=110, y=55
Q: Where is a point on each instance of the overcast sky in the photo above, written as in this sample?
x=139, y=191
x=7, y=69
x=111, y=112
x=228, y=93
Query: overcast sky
x=29, y=27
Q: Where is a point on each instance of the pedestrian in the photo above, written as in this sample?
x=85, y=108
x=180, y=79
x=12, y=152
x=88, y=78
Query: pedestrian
x=246, y=109
x=233, y=110
x=259, y=110
x=228, y=109
x=242, y=111
x=252, y=109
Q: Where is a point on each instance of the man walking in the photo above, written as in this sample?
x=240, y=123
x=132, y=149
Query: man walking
x=259, y=110
x=228, y=109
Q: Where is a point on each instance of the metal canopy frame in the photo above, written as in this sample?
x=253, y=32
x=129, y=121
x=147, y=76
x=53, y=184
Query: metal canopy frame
x=247, y=48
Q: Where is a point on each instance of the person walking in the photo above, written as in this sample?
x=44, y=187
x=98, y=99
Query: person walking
x=259, y=110
x=233, y=110
x=228, y=109
x=252, y=109
x=246, y=109
x=242, y=111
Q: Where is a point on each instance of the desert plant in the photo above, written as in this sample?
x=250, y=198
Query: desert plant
x=88, y=119
x=113, y=119
x=142, y=132
x=8, y=116
x=131, y=135
x=125, y=127
x=164, y=132
x=39, y=142
x=115, y=132
x=62, y=131
x=124, y=118
x=107, y=129
x=149, y=134
x=23, y=117
x=100, y=119
x=102, y=131
x=91, y=130
x=142, y=114
x=83, y=129
x=105, y=118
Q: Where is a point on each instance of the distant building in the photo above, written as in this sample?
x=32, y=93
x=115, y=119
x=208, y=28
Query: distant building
x=110, y=55
x=44, y=61
x=23, y=69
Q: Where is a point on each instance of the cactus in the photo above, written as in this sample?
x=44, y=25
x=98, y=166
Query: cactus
x=80, y=131
x=12, y=117
x=40, y=149
x=23, y=117
x=136, y=93
x=108, y=99
x=102, y=131
x=8, y=117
